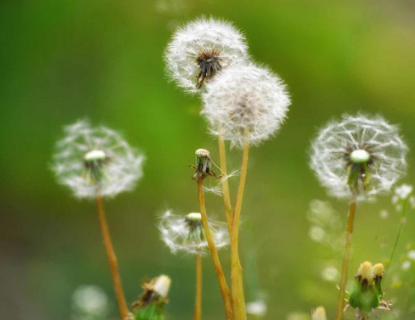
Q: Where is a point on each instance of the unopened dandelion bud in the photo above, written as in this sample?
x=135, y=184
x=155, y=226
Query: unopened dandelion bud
x=364, y=296
x=365, y=273
x=359, y=156
x=379, y=273
x=319, y=314
x=162, y=286
x=151, y=304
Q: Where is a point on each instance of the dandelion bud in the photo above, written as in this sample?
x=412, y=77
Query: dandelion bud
x=162, y=286
x=358, y=156
x=186, y=233
x=96, y=161
x=365, y=273
x=203, y=165
x=245, y=104
x=319, y=314
x=364, y=296
x=378, y=274
x=151, y=304
x=201, y=49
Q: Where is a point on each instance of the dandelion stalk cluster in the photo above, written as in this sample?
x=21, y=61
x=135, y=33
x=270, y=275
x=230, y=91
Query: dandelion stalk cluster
x=244, y=105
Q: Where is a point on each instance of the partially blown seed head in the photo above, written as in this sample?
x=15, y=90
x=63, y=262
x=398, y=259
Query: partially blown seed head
x=186, y=233
x=96, y=161
x=201, y=49
x=245, y=103
x=359, y=155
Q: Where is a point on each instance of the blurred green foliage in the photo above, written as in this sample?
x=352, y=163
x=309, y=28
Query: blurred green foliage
x=65, y=60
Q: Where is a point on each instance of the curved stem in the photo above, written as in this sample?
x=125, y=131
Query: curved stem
x=238, y=298
x=401, y=224
x=215, y=257
x=198, y=300
x=112, y=260
x=346, y=258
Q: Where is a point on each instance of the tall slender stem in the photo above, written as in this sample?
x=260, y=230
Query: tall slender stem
x=346, y=258
x=112, y=260
x=401, y=224
x=215, y=257
x=198, y=300
x=238, y=298
x=225, y=184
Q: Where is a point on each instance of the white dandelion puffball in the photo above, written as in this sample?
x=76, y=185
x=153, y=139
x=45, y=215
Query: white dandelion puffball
x=96, y=161
x=201, y=49
x=367, y=152
x=245, y=103
x=185, y=232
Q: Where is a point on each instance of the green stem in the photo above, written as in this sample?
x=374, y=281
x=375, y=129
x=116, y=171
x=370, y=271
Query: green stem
x=346, y=258
x=398, y=235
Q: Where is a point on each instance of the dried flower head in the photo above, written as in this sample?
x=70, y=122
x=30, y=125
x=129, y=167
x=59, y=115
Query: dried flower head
x=245, y=103
x=202, y=48
x=96, y=161
x=151, y=304
x=359, y=155
x=186, y=233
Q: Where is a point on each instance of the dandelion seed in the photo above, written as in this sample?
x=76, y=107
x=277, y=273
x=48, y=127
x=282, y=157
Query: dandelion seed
x=256, y=308
x=360, y=154
x=330, y=273
x=402, y=192
x=245, y=103
x=411, y=255
x=319, y=314
x=406, y=265
x=201, y=49
x=96, y=161
x=384, y=214
x=90, y=301
x=186, y=233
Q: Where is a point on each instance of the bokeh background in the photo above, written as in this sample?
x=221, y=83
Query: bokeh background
x=61, y=61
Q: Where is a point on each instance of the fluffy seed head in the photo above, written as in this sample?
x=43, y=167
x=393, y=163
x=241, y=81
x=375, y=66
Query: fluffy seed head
x=245, y=103
x=359, y=154
x=186, y=233
x=201, y=49
x=96, y=161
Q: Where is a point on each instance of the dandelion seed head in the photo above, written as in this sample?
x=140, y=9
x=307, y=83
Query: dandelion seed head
x=201, y=49
x=185, y=232
x=245, y=103
x=370, y=148
x=96, y=161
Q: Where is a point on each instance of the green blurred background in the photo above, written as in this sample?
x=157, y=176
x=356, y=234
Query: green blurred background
x=61, y=61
